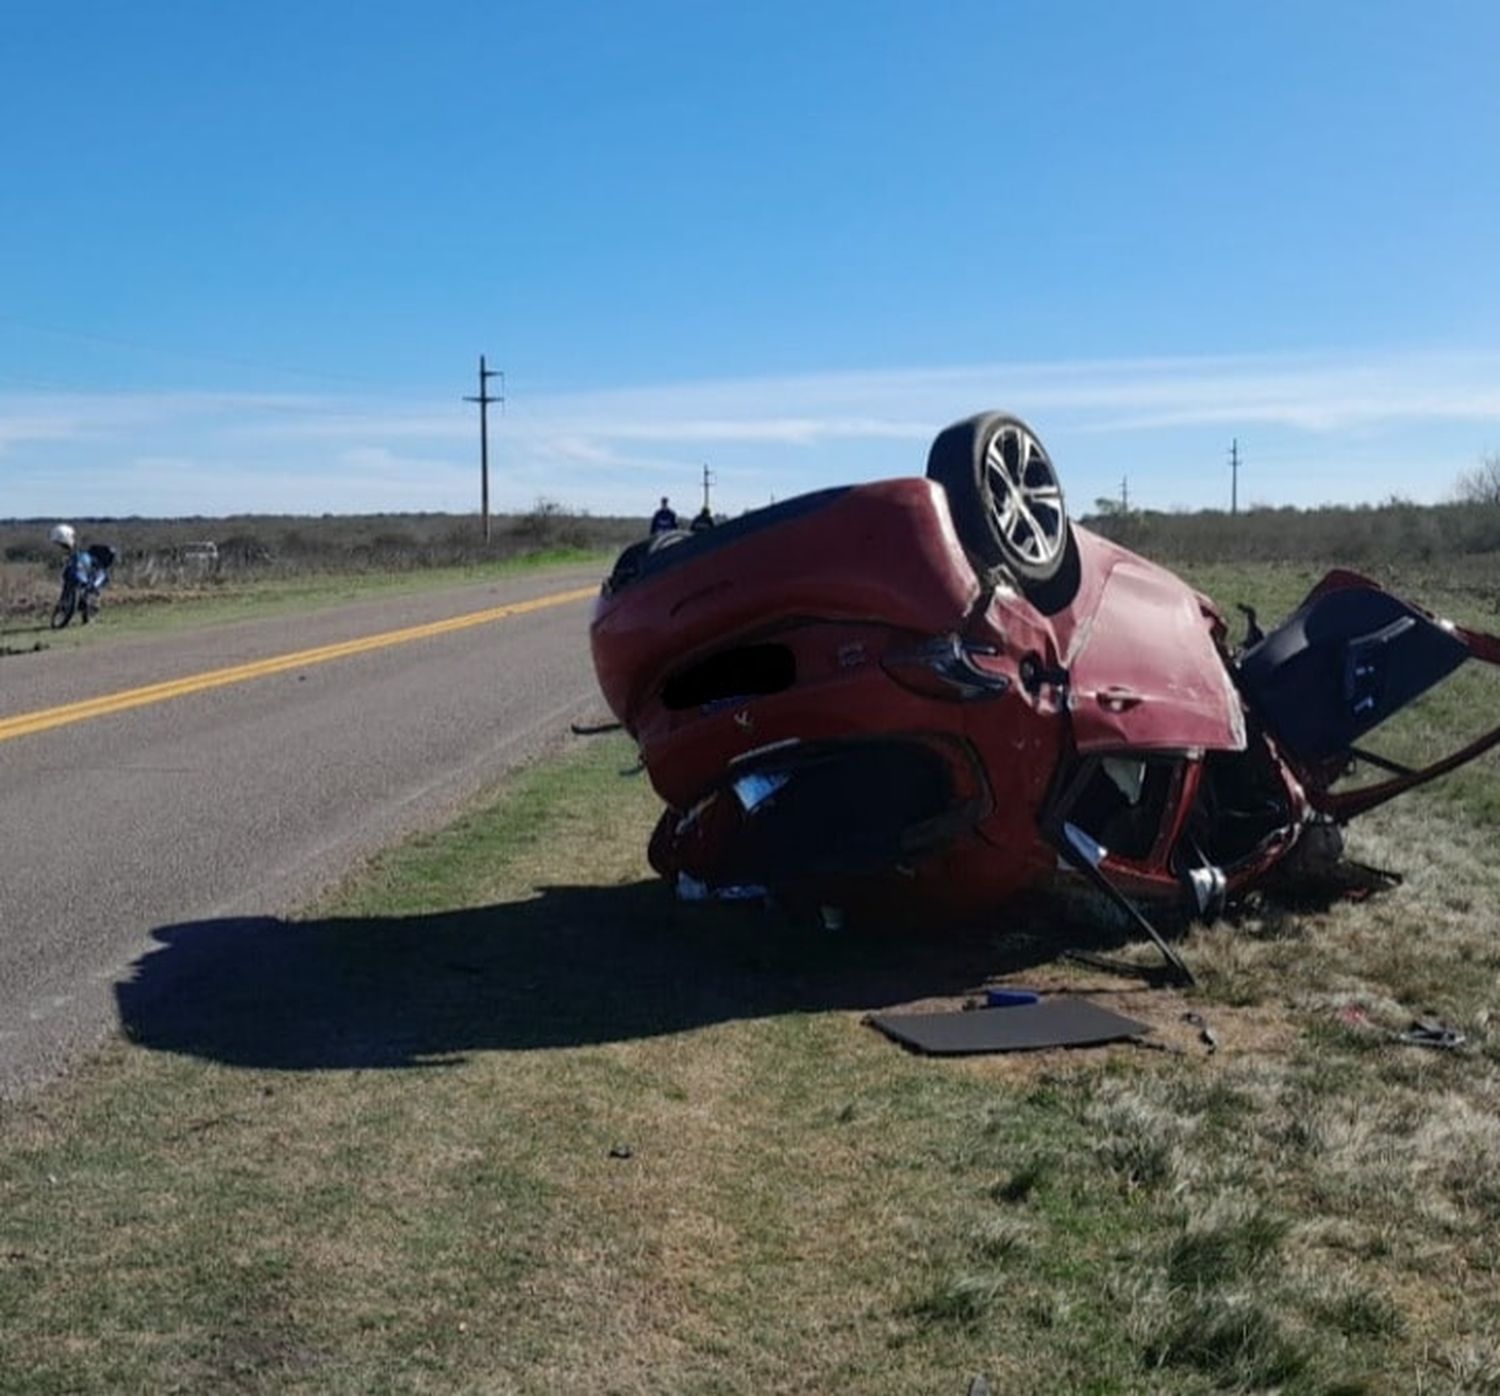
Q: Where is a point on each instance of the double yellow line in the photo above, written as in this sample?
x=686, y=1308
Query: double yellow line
x=28, y=724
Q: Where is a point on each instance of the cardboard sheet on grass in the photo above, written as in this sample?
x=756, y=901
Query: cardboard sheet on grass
x=1057, y=1022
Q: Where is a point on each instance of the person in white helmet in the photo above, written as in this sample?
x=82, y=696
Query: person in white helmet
x=84, y=574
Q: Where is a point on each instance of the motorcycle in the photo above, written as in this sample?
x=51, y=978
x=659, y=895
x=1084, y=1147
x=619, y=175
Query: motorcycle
x=84, y=576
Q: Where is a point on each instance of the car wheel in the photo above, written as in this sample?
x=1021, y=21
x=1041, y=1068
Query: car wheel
x=632, y=562
x=1004, y=495
x=668, y=538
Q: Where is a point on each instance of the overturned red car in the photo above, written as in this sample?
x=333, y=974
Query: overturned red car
x=922, y=694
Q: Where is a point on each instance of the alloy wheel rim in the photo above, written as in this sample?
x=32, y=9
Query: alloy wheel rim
x=1024, y=496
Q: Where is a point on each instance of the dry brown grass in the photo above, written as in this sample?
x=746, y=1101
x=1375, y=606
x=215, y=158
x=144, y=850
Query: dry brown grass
x=23, y=589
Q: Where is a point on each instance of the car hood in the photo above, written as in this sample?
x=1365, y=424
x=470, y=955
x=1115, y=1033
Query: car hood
x=1145, y=670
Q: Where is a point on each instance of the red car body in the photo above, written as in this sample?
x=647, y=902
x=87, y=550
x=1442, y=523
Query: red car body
x=840, y=702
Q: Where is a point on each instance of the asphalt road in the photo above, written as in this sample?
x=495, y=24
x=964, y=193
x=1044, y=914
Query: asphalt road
x=248, y=797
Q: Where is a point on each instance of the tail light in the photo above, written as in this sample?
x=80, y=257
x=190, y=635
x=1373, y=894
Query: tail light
x=944, y=667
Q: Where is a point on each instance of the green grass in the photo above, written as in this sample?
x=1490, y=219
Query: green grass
x=374, y=1149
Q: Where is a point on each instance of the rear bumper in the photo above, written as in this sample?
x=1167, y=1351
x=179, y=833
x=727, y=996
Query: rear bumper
x=891, y=827
x=815, y=811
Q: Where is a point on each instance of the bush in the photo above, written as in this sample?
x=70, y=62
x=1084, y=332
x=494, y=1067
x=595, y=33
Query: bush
x=549, y=525
x=1392, y=533
x=243, y=551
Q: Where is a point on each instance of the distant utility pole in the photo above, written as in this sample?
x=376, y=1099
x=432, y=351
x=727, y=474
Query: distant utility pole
x=1234, y=477
x=709, y=478
x=1124, y=494
x=484, y=399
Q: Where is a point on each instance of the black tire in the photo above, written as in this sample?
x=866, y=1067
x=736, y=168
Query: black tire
x=1004, y=495
x=667, y=538
x=1057, y=592
x=632, y=562
x=67, y=603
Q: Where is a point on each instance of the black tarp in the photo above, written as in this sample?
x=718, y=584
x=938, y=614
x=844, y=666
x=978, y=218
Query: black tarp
x=1054, y=1022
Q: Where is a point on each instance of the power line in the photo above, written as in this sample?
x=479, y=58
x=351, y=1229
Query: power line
x=183, y=355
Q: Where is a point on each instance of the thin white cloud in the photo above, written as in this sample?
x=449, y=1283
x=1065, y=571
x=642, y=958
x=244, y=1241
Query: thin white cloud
x=609, y=449
x=24, y=428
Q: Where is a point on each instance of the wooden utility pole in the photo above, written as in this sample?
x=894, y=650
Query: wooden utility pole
x=708, y=479
x=484, y=399
x=1124, y=494
x=1234, y=477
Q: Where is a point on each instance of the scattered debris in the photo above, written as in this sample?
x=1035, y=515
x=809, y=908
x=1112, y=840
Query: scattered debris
x=1054, y=1022
x=1151, y=1045
x=1154, y=976
x=1429, y=1032
x=621, y=1151
x=1206, y=1035
x=689, y=889
x=594, y=729
x=1010, y=998
x=1423, y=1032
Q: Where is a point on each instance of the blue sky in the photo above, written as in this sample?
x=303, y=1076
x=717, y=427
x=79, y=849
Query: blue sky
x=251, y=252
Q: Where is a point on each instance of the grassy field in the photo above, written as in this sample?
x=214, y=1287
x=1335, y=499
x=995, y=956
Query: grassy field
x=134, y=612
x=499, y=1116
x=275, y=562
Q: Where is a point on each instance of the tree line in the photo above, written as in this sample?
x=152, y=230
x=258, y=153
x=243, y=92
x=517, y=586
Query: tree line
x=1397, y=531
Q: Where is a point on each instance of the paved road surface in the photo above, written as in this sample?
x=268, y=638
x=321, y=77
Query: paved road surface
x=249, y=797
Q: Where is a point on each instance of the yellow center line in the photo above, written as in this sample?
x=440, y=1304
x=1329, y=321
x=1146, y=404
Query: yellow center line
x=28, y=724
